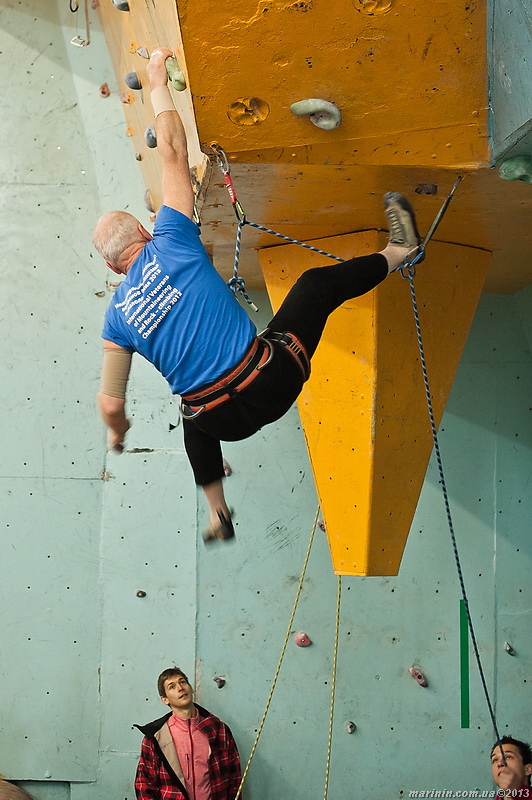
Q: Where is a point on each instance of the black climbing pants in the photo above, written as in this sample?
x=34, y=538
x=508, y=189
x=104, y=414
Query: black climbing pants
x=304, y=313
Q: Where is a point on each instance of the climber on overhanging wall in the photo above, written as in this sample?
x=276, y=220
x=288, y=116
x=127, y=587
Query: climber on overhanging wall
x=175, y=310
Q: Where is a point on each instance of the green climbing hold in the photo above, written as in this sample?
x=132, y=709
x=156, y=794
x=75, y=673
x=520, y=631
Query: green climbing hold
x=177, y=79
x=322, y=113
x=517, y=168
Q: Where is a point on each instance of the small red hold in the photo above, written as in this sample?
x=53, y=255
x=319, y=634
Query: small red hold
x=227, y=469
x=418, y=676
x=302, y=640
x=104, y=90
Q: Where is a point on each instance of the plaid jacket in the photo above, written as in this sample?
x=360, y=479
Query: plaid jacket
x=159, y=775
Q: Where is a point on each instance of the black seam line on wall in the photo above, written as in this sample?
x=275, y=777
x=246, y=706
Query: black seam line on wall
x=49, y=478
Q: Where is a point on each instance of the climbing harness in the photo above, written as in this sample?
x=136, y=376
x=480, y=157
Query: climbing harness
x=294, y=346
x=232, y=383
x=239, y=377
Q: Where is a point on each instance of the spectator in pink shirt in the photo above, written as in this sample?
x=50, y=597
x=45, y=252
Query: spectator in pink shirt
x=189, y=754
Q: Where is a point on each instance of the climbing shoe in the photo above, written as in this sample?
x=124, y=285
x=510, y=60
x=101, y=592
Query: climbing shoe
x=223, y=530
x=402, y=226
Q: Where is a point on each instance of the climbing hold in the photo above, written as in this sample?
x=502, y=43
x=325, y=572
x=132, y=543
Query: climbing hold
x=138, y=156
x=248, y=111
x=148, y=202
x=150, y=137
x=132, y=81
x=227, y=469
x=142, y=52
x=350, y=727
x=104, y=90
x=302, y=640
x=177, y=79
x=141, y=593
x=323, y=114
x=509, y=649
x=372, y=7
x=121, y=5
x=418, y=676
x=126, y=98
x=426, y=188
x=78, y=41
x=517, y=168
x=219, y=681
x=321, y=525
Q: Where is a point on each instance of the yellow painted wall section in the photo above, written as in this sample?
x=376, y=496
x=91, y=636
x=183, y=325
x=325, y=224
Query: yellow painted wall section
x=364, y=409
x=408, y=77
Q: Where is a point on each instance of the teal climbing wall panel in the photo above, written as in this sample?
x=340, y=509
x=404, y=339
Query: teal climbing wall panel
x=50, y=654
x=51, y=448
x=510, y=66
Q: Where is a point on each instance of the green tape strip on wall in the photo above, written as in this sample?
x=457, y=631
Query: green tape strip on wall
x=464, y=667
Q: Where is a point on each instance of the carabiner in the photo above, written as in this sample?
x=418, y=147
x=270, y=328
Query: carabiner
x=221, y=158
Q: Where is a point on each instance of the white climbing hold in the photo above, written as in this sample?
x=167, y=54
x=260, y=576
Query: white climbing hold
x=323, y=114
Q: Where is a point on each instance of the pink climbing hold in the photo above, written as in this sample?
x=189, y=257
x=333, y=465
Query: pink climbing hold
x=302, y=640
x=418, y=676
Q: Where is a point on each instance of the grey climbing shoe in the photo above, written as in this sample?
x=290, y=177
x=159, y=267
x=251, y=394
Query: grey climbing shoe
x=224, y=530
x=402, y=226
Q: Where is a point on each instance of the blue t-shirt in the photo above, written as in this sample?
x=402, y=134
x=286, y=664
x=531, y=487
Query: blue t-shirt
x=175, y=310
